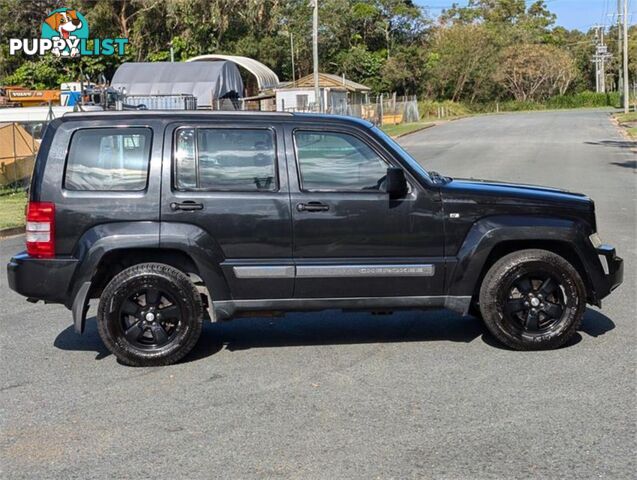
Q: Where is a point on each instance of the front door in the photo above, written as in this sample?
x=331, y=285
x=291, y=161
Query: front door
x=223, y=178
x=350, y=238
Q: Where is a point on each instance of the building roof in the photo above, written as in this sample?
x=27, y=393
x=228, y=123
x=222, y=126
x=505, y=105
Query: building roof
x=206, y=81
x=328, y=80
x=265, y=77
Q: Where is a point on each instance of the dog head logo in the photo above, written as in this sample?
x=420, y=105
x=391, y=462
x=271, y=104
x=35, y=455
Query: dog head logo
x=64, y=22
x=67, y=25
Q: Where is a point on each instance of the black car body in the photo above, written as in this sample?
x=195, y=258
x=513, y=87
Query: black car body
x=267, y=212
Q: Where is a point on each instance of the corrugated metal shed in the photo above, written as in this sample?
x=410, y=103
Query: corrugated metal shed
x=204, y=80
x=265, y=77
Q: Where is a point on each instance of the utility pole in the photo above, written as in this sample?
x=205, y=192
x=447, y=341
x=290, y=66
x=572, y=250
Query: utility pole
x=292, y=52
x=599, y=58
x=602, y=51
x=317, y=91
x=626, y=86
x=620, y=35
x=292, y=55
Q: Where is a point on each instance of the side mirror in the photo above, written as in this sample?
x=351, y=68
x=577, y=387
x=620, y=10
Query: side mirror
x=396, y=183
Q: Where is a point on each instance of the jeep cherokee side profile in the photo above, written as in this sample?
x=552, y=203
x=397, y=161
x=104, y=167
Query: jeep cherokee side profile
x=170, y=219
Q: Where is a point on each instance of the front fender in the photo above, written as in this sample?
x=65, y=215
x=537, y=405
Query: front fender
x=488, y=232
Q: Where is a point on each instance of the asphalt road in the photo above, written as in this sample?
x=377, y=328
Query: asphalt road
x=411, y=395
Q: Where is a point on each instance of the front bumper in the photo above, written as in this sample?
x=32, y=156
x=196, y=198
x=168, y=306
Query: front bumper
x=41, y=279
x=613, y=274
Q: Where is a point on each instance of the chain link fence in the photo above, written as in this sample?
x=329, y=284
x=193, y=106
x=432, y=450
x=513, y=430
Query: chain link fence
x=384, y=110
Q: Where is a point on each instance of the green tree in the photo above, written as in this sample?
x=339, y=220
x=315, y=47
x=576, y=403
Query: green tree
x=460, y=62
x=535, y=72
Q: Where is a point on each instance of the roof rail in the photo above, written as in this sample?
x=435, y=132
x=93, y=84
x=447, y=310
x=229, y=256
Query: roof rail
x=97, y=113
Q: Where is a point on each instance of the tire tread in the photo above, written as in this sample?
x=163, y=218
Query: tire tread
x=122, y=351
x=492, y=282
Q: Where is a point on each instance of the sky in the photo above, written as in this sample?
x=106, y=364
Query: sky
x=580, y=14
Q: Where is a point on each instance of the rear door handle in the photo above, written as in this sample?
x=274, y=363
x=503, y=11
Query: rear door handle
x=312, y=207
x=187, y=206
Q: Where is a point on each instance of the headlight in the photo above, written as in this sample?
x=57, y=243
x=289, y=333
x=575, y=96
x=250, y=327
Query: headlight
x=595, y=240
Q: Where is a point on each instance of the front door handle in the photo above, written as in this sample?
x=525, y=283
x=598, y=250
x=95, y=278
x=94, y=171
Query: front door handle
x=187, y=206
x=312, y=207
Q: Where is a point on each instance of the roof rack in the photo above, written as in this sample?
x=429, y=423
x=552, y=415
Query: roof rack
x=98, y=113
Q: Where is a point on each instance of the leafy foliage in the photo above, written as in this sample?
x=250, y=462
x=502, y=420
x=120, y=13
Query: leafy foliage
x=468, y=54
x=535, y=72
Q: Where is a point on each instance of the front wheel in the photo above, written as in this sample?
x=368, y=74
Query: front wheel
x=150, y=314
x=532, y=300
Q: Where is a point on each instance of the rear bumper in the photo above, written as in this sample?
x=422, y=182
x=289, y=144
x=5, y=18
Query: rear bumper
x=42, y=279
x=614, y=274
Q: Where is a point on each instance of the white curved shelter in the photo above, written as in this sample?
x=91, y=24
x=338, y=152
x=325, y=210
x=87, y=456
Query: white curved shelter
x=205, y=81
x=266, y=78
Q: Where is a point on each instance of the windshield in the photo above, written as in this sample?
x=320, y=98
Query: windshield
x=408, y=159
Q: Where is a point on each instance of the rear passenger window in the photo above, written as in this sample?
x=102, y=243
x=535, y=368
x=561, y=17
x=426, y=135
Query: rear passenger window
x=223, y=159
x=108, y=159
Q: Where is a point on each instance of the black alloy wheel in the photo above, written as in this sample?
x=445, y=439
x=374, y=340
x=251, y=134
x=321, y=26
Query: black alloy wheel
x=532, y=300
x=150, y=314
x=150, y=318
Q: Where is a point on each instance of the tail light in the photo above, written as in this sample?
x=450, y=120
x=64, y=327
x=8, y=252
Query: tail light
x=41, y=229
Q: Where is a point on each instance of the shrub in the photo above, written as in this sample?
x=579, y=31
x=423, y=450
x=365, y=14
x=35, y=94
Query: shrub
x=429, y=108
x=584, y=99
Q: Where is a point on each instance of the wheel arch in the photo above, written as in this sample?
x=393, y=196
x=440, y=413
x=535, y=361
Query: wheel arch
x=116, y=260
x=561, y=248
x=491, y=238
x=107, y=249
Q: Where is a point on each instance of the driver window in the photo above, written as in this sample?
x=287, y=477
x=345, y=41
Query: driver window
x=334, y=161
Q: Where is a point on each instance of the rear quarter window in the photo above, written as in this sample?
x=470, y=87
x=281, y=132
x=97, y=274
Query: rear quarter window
x=108, y=159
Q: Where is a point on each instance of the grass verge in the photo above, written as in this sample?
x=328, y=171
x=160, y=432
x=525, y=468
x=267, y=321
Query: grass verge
x=628, y=121
x=405, y=128
x=12, y=209
x=626, y=117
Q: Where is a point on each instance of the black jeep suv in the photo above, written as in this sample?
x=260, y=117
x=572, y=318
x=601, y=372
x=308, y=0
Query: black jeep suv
x=172, y=218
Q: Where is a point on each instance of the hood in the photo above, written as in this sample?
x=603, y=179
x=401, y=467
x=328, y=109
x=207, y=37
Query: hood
x=486, y=191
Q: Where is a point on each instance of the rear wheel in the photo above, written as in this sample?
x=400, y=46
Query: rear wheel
x=532, y=300
x=150, y=314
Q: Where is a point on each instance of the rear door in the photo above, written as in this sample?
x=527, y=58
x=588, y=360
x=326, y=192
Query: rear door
x=225, y=178
x=350, y=238
x=101, y=175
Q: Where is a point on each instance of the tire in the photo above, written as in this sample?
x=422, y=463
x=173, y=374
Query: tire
x=532, y=300
x=150, y=314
